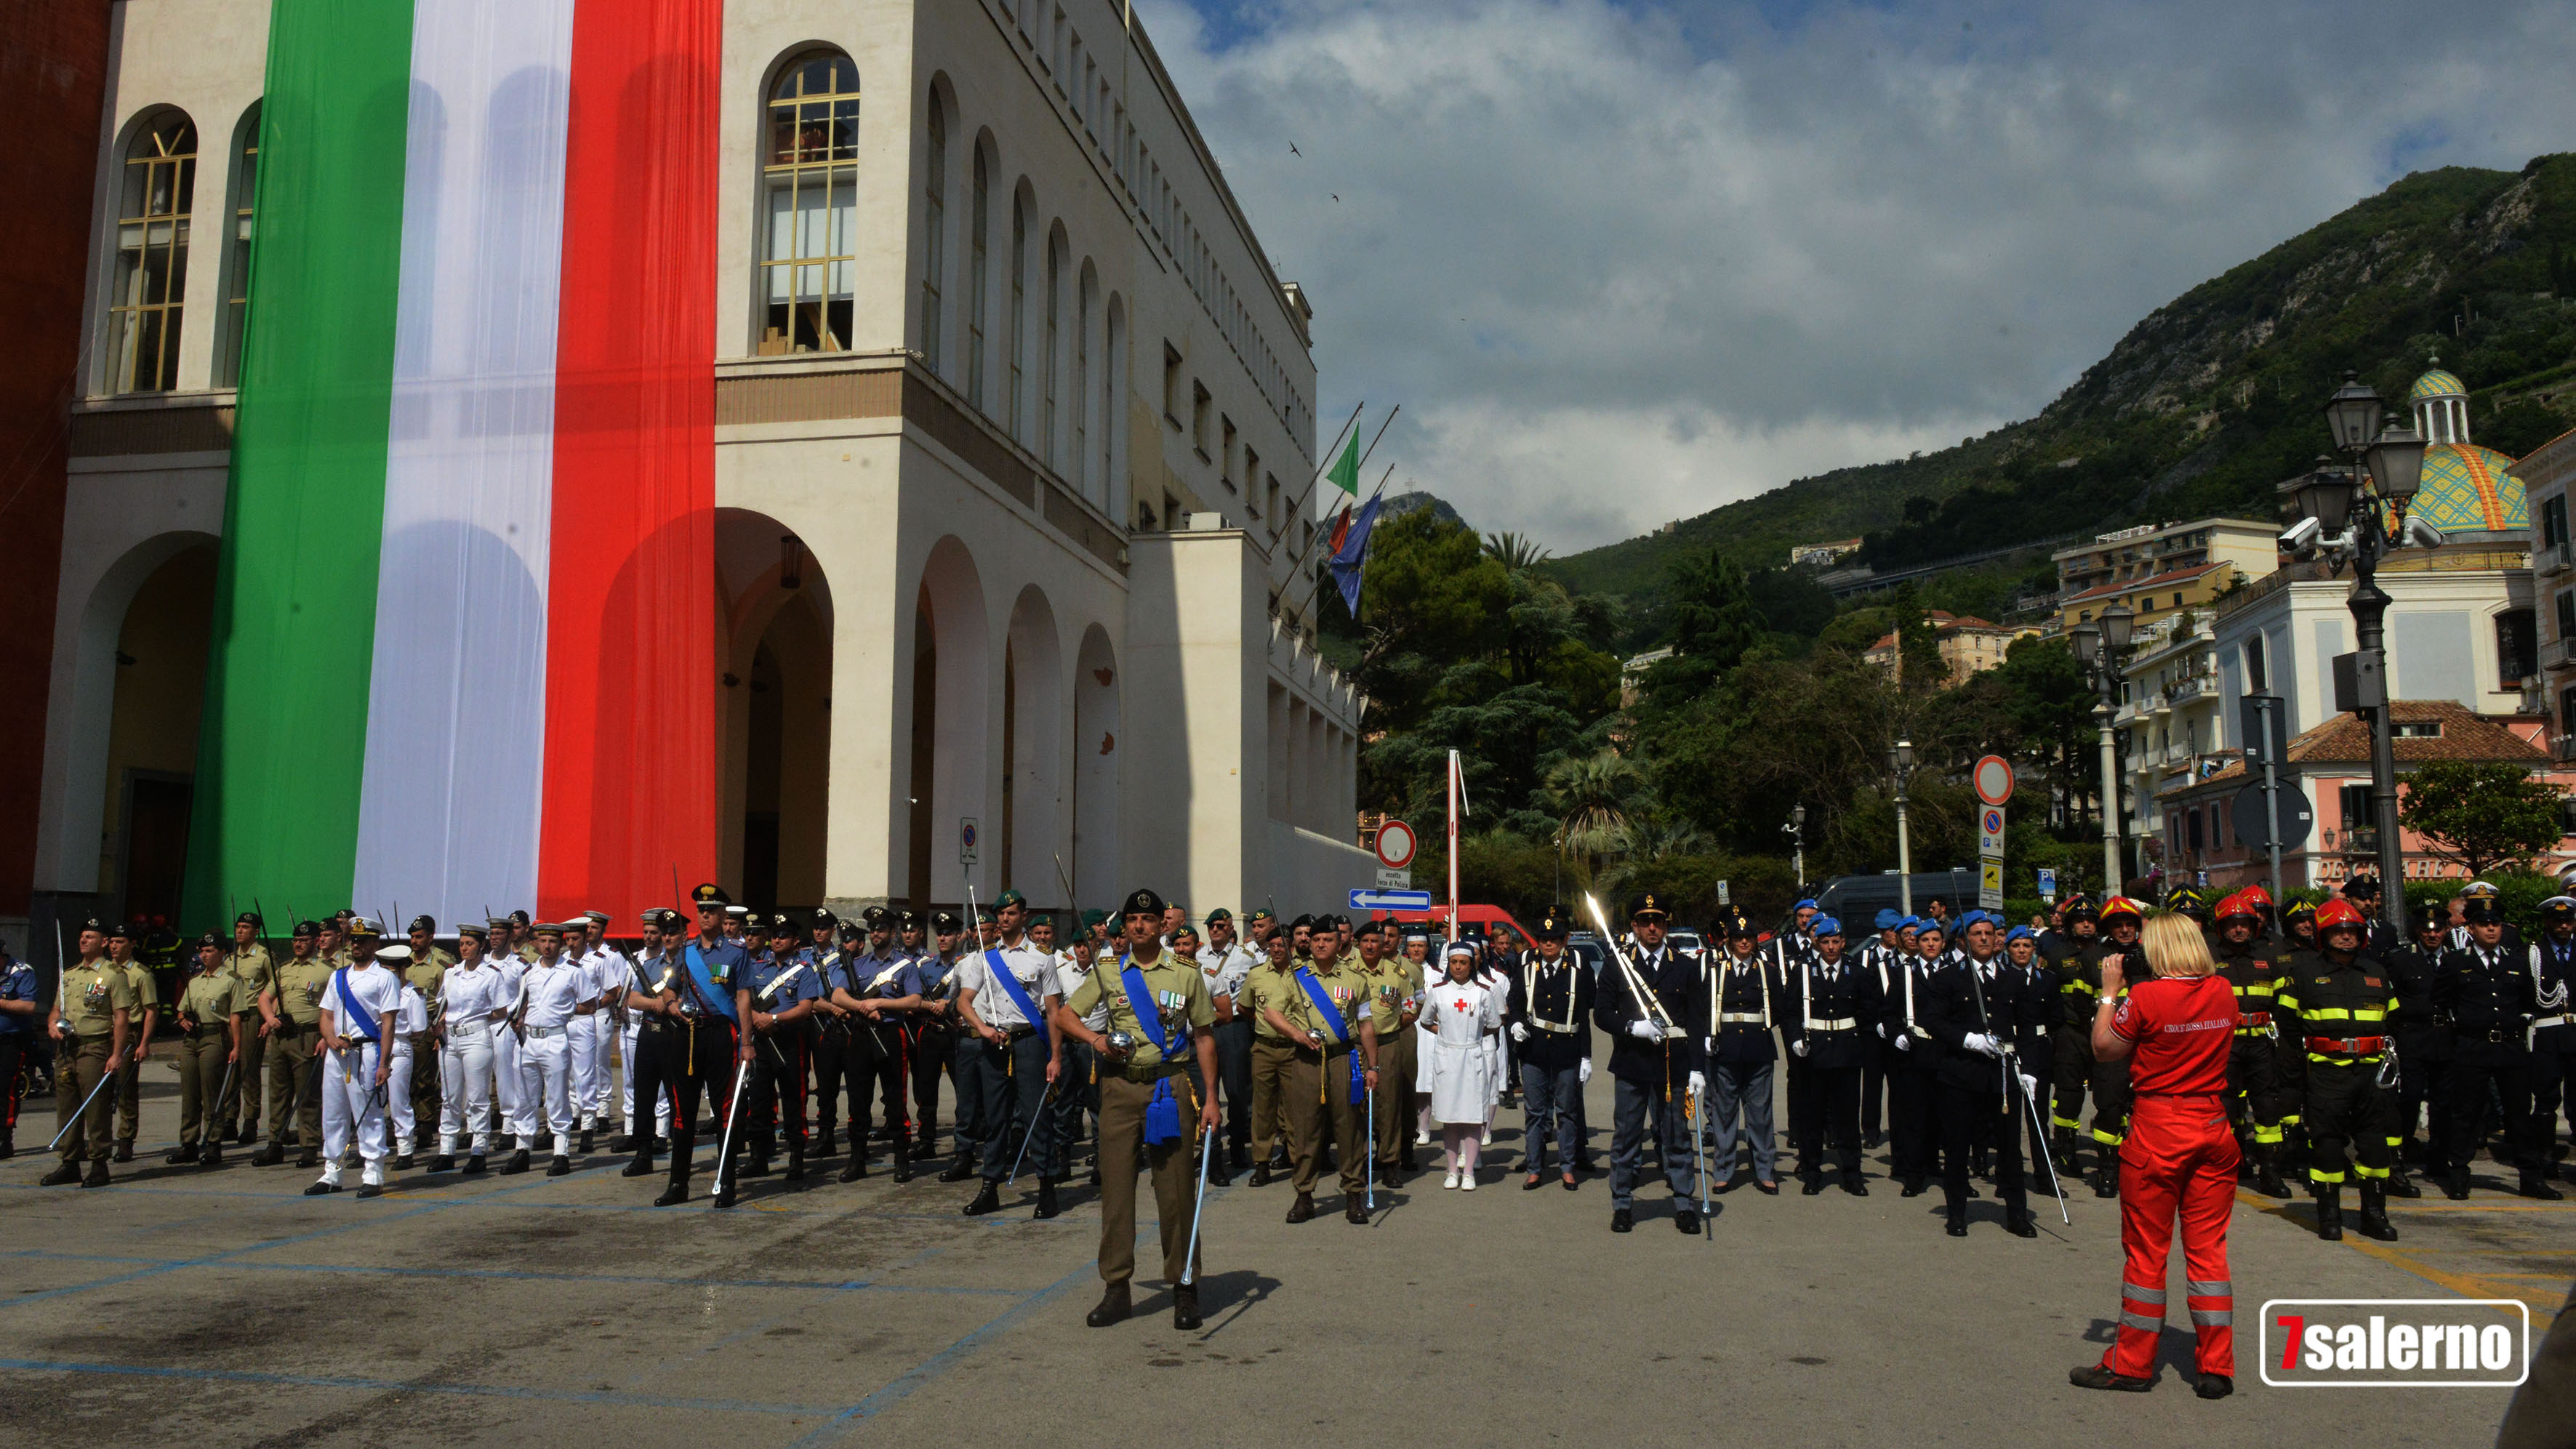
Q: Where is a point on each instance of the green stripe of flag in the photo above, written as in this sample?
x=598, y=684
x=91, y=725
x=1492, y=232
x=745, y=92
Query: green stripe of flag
x=1345, y=471
x=283, y=743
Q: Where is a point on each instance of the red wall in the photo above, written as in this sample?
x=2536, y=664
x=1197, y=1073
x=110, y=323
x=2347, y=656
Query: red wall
x=53, y=73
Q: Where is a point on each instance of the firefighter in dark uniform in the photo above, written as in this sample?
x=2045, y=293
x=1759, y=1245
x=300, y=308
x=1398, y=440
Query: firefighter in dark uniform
x=2492, y=998
x=1647, y=1004
x=2553, y=1030
x=2339, y=1005
x=1832, y=1011
x=2079, y=986
x=2252, y=966
x=2423, y=1043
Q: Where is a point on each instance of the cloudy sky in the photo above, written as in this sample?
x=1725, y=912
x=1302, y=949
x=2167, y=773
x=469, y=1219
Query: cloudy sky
x=1626, y=262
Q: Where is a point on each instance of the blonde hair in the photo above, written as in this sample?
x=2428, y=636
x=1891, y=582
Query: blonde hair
x=2175, y=946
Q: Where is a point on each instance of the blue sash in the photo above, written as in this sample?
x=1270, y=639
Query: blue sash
x=1323, y=1000
x=1162, y=1110
x=702, y=984
x=352, y=1012
x=1012, y=988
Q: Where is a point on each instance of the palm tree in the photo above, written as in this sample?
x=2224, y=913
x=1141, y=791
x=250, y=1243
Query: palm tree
x=1513, y=552
x=1590, y=795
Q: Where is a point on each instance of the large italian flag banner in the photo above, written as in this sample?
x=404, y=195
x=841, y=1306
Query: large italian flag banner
x=464, y=644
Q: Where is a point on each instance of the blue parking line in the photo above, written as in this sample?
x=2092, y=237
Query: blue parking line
x=404, y=1386
x=157, y=1269
x=939, y=1363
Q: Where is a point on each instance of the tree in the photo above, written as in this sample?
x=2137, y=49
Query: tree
x=1590, y=796
x=2480, y=815
x=1713, y=625
x=1919, y=664
x=1514, y=552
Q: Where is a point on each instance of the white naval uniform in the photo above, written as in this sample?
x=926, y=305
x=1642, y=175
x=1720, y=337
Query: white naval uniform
x=349, y=1104
x=644, y=971
x=1463, y=1017
x=506, y=1080
x=415, y=1018
x=593, y=1070
x=545, y=1049
x=470, y=997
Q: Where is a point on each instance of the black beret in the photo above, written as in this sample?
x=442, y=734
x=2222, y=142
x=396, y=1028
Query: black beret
x=249, y=918
x=1142, y=902
x=307, y=930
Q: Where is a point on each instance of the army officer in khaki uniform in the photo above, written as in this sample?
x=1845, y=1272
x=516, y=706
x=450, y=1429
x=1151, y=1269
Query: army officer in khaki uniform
x=250, y=964
x=1136, y=1070
x=209, y=1051
x=291, y=1017
x=89, y=1022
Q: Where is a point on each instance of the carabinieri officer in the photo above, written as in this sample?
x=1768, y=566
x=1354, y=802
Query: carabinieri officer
x=1646, y=1002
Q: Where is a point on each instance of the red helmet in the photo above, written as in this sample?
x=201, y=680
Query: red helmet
x=2241, y=906
x=2340, y=912
x=2121, y=906
x=2256, y=896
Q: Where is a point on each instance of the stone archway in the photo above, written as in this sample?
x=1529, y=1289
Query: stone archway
x=1033, y=745
x=952, y=664
x=775, y=771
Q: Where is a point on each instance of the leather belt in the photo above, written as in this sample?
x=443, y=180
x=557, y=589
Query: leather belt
x=2499, y=1034
x=2351, y=1046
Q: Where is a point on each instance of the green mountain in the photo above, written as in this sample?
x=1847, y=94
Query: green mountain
x=2215, y=397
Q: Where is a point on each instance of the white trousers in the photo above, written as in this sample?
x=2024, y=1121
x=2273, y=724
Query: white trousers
x=582, y=1063
x=465, y=1089
x=399, y=1098
x=349, y=1106
x=506, y=1081
x=545, y=1087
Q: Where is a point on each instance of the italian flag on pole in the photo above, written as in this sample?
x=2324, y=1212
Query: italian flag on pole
x=464, y=646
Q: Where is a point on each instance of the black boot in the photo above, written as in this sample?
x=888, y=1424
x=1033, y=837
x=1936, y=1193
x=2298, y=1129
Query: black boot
x=2267, y=1172
x=795, y=1164
x=586, y=1133
x=902, y=1158
x=2400, y=1184
x=403, y=1163
x=684, y=1145
x=559, y=1166
x=269, y=1156
x=823, y=1144
x=213, y=1156
x=443, y=1162
x=2374, y=1212
x=474, y=1163
x=642, y=1166
x=1852, y=1183
x=64, y=1176
x=858, y=1166
x=1046, y=1202
x=517, y=1164
x=960, y=1170
x=182, y=1155
x=2536, y=1185
x=987, y=1201
x=2106, y=1178
x=2329, y=1197
x=97, y=1174
x=1113, y=1307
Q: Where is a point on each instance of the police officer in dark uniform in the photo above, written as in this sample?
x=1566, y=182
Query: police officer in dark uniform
x=883, y=990
x=1987, y=1019
x=2339, y=1004
x=776, y=999
x=1548, y=1015
x=1746, y=1002
x=700, y=1030
x=1914, y=1060
x=2553, y=1029
x=2423, y=1043
x=929, y=1037
x=2492, y=998
x=1647, y=1004
x=1830, y=1024
x=830, y=1038
x=2253, y=968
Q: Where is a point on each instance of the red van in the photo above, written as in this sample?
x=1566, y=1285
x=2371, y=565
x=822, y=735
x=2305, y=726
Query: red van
x=1505, y=933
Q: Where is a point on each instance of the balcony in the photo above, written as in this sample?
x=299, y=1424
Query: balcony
x=2554, y=558
x=2183, y=691
x=2559, y=653
x=2564, y=747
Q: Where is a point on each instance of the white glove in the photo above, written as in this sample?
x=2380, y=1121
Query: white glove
x=1520, y=1031
x=1799, y=1046
x=1905, y=1043
x=1583, y=1070
x=1698, y=1083
x=2029, y=1085
x=1980, y=1043
x=1882, y=1031
x=1644, y=1030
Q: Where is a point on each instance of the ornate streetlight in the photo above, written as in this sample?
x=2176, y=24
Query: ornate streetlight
x=2099, y=647
x=1900, y=765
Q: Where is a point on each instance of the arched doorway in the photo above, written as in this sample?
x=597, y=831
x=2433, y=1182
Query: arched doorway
x=1095, y=771
x=1033, y=743
x=952, y=654
x=778, y=711
x=151, y=763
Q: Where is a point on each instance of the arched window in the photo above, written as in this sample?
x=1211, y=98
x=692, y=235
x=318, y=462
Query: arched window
x=1019, y=315
x=977, y=217
x=809, y=254
x=245, y=190
x=1081, y=456
x=1047, y=358
x=151, y=255
x=934, y=240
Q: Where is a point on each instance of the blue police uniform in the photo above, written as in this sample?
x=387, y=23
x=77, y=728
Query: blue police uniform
x=18, y=1034
x=778, y=982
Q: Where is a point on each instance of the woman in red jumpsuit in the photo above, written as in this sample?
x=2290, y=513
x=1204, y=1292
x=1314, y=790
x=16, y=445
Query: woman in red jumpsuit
x=2180, y=1159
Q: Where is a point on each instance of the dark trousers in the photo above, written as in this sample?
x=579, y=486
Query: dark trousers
x=1873, y=1088
x=966, y=1055
x=2420, y=1076
x=1077, y=1092
x=1632, y=1104
x=1552, y=1106
x=13, y=1084
x=2507, y=1070
x=1793, y=1085
x=2347, y=1108
x=2254, y=1089
x=932, y=1049
x=1741, y=1092
x=1827, y=1119
x=1015, y=1089
x=686, y=1065
x=2549, y=1075
x=2077, y=1072
x=879, y=1056
x=777, y=1093
x=836, y=1058
x=1913, y=1122
x=1976, y=1118
x=1234, y=1069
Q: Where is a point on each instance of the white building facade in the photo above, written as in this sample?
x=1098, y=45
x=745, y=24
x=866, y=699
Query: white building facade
x=1015, y=433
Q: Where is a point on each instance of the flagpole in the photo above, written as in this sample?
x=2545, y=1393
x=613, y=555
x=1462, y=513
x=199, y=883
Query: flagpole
x=1455, y=800
x=1294, y=568
x=1299, y=507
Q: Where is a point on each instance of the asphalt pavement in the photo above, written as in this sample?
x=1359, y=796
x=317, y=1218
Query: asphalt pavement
x=223, y=1307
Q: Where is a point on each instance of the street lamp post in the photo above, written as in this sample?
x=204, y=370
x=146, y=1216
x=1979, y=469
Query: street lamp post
x=2100, y=647
x=1900, y=764
x=2360, y=511
x=1796, y=830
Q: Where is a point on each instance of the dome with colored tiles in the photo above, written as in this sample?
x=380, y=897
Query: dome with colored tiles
x=2436, y=383
x=2470, y=489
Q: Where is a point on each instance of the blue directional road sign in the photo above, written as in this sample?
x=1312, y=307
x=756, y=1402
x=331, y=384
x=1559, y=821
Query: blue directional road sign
x=1390, y=900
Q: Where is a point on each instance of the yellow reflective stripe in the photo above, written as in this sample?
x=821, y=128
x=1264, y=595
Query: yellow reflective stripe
x=2366, y=1170
x=2255, y=988
x=2108, y=1139
x=2329, y=1013
x=2318, y=1174
x=2289, y=1002
x=2369, y=1013
x=2263, y=1134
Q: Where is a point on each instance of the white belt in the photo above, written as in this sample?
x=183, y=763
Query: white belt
x=1754, y=1017
x=1674, y=1033
x=540, y=1033
x=1839, y=1023
x=1920, y=1032
x=1568, y=1029
x=2548, y=1021
x=467, y=1027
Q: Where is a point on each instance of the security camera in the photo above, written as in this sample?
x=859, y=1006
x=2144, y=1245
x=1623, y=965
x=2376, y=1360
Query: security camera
x=2420, y=534
x=2300, y=537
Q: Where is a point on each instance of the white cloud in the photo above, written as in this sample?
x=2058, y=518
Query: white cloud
x=1624, y=263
